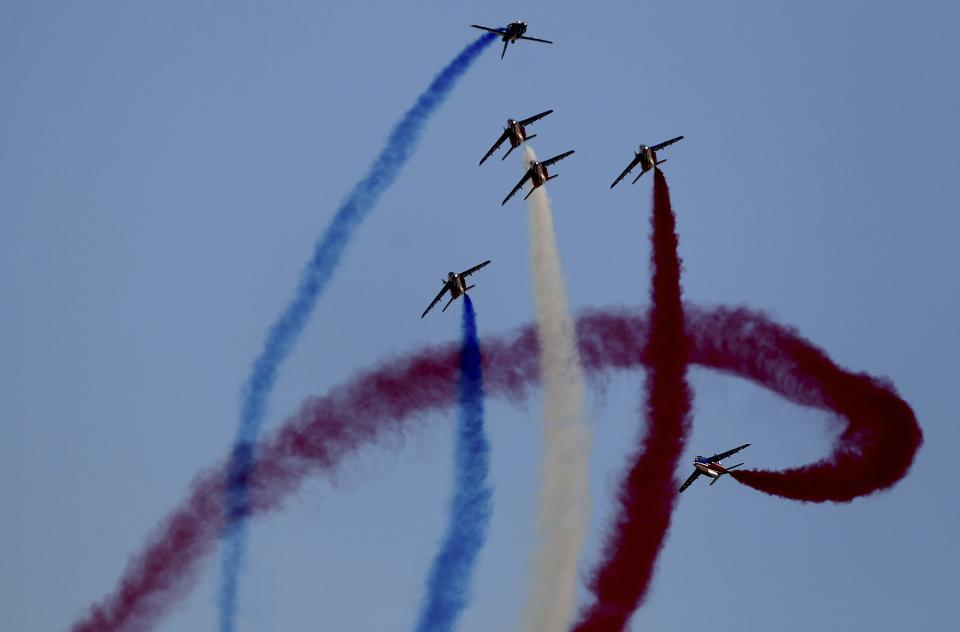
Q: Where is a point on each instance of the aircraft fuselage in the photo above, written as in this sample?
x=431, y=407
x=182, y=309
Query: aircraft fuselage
x=516, y=132
x=713, y=470
x=457, y=285
x=539, y=175
x=648, y=158
x=513, y=31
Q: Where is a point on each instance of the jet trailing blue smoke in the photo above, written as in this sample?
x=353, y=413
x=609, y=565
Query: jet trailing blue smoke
x=448, y=585
x=283, y=334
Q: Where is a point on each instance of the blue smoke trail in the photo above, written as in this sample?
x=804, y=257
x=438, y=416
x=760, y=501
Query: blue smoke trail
x=313, y=280
x=448, y=585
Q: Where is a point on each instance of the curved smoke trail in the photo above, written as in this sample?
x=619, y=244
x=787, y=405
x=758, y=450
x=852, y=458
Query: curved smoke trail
x=648, y=493
x=283, y=334
x=874, y=452
x=564, y=501
x=448, y=586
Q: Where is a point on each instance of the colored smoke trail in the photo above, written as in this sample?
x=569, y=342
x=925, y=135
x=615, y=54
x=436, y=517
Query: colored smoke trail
x=328, y=252
x=648, y=493
x=851, y=396
x=564, y=499
x=874, y=452
x=448, y=586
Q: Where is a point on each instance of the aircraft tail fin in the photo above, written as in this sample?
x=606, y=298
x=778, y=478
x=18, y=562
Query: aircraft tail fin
x=447, y=305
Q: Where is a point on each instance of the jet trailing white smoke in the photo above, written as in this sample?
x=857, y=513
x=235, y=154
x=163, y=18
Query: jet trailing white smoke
x=564, y=502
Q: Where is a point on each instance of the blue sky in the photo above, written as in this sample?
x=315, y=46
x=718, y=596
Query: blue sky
x=166, y=168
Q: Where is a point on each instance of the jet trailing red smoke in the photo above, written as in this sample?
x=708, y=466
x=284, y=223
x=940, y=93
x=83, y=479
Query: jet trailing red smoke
x=648, y=492
x=396, y=396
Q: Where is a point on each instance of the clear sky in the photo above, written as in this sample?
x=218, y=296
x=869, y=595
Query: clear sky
x=166, y=167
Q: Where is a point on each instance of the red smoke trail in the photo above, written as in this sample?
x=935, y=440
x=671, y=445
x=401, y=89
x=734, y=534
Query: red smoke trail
x=859, y=398
x=648, y=492
x=389, y=399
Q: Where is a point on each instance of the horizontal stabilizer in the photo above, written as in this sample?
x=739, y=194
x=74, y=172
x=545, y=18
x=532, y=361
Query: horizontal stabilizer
x=638, y=177
x=734, y=466
x=447, y=305
x=508, y=153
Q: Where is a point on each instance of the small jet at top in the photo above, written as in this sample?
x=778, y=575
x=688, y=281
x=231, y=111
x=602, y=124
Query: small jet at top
x=711, y=466
x=456, y=285
x=511, y=33
x=646, y=157
x=516, y=132
x=538, y=173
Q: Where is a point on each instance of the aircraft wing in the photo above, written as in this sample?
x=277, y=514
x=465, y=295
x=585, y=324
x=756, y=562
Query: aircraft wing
x=535, y=39
x=690, y=480
x=518, y=187
x=496, y=145
x=665, y=143
x=466, y=273
x=446, y=286
x=535, y=117
x=487, y=28
x=633, y=163
x=723, y=455
x=550, y=161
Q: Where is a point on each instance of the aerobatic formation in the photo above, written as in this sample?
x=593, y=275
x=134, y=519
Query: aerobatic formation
x=874, y=451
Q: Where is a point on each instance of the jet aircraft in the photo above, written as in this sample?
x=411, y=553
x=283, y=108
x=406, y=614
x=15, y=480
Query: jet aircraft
x=511, y=33
x=711, y=466
x=538, y=173
x=516, y=132
x=646, y=157
x=455, y=284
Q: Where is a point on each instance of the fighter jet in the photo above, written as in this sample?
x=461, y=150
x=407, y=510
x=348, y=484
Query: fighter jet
x=646, y=157
x=456, y=285
x=538, y=173
x=711, y=466
x=516, y=132
x=511, y=33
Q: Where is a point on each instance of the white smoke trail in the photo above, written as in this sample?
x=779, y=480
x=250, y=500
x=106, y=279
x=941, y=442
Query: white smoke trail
x=564, y=502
